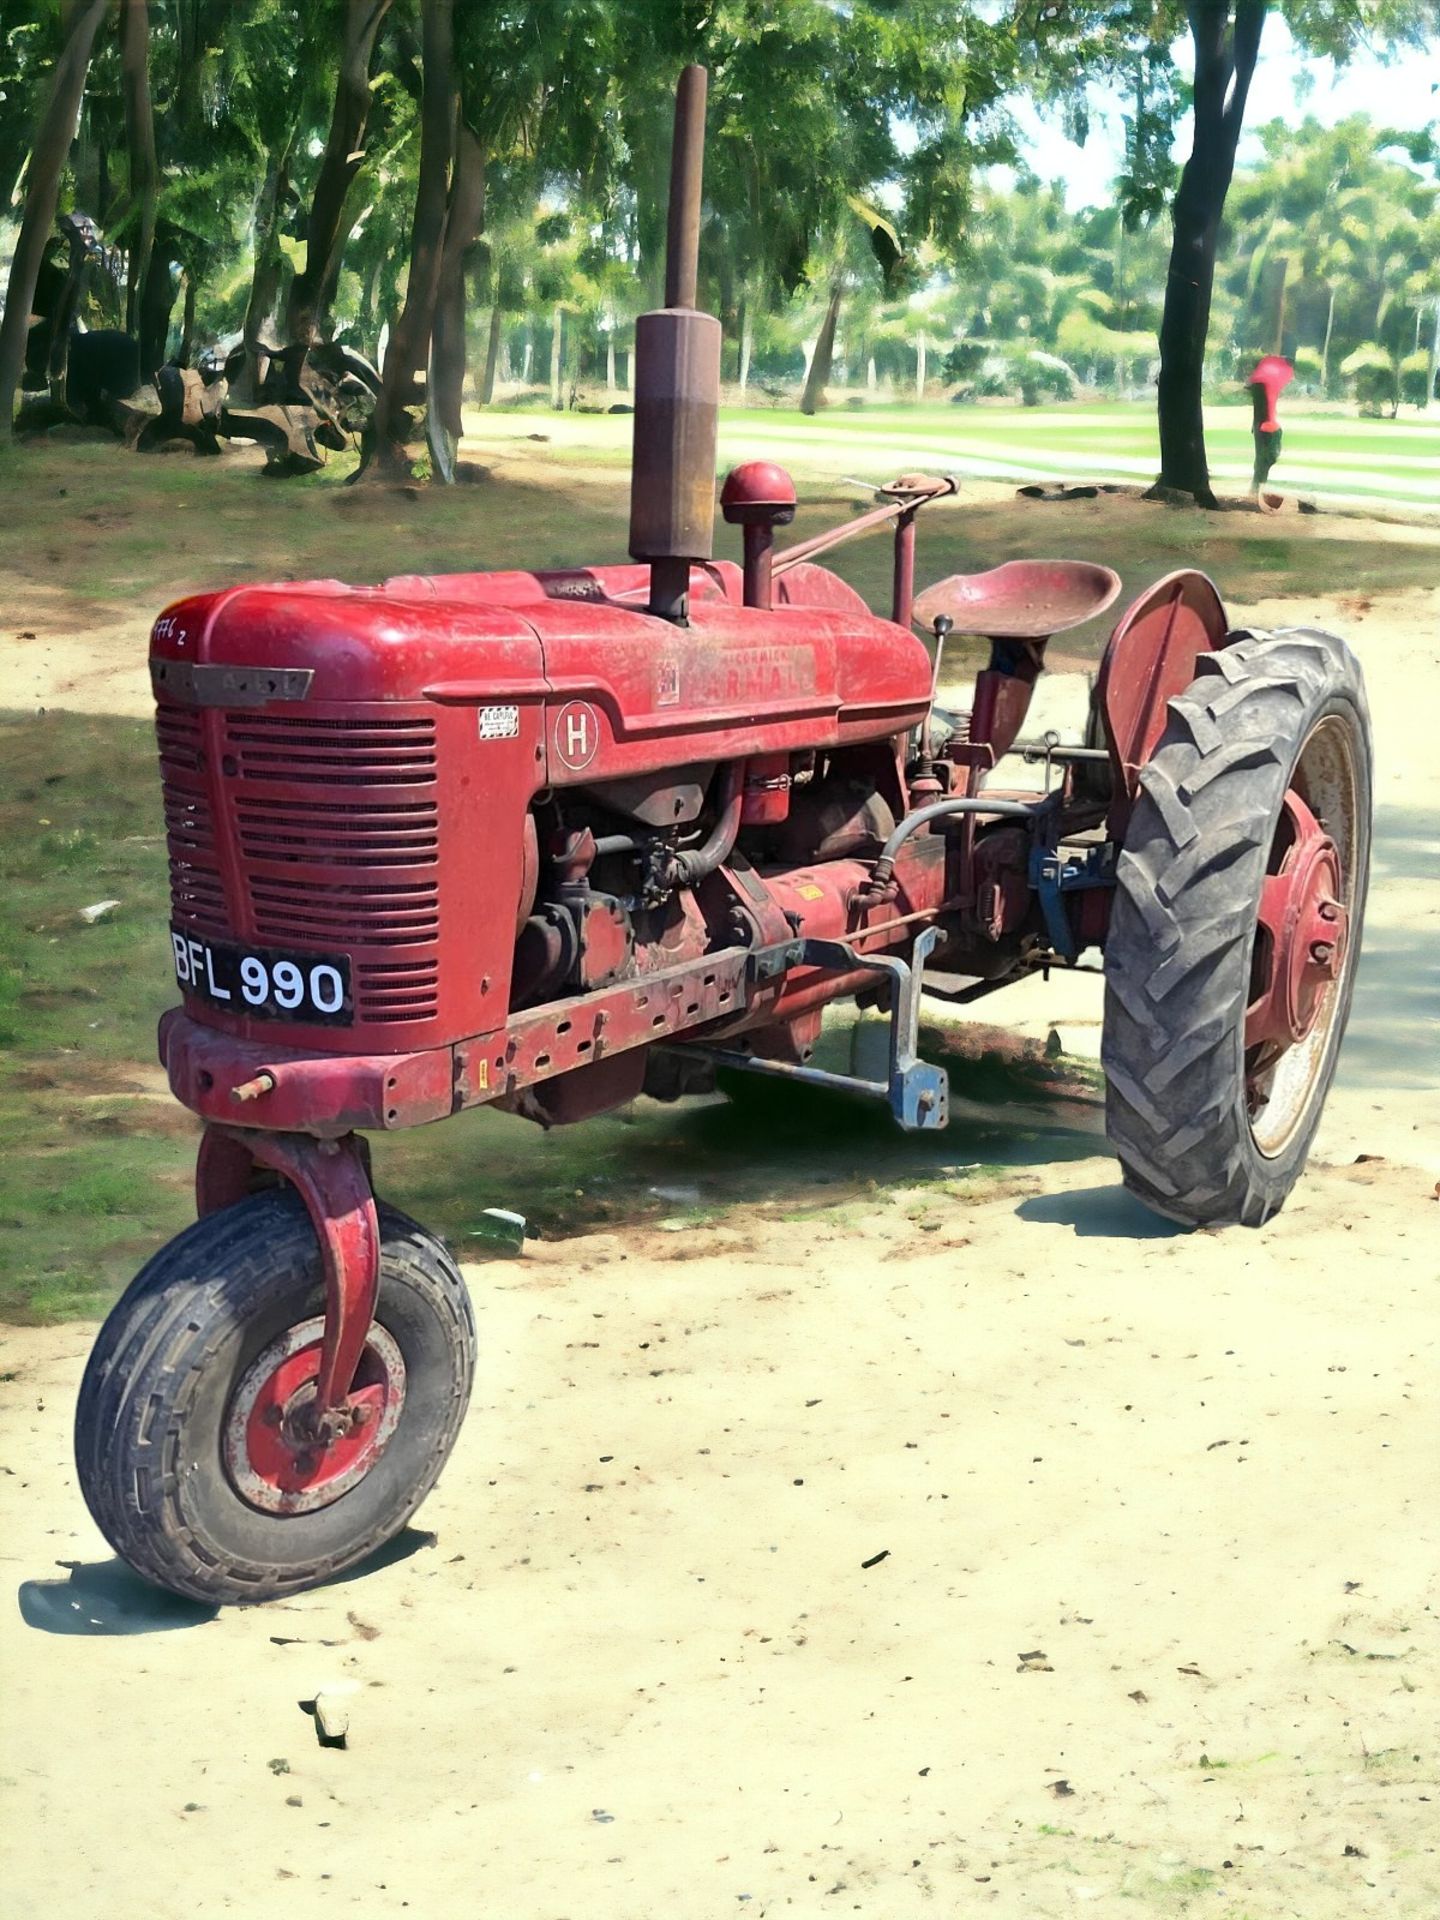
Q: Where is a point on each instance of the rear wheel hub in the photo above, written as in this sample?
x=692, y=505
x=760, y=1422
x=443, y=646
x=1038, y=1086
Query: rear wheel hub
x=1303, y=932
x=284, y=1457
x=1301, y=956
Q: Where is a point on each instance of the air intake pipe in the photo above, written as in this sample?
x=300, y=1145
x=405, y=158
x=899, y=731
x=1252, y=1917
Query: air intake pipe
x=677, y=386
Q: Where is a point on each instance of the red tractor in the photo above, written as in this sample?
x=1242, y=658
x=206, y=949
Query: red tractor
x=546, y=840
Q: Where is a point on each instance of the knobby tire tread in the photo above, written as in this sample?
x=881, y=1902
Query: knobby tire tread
x=156, y=1347
x=1178, y=952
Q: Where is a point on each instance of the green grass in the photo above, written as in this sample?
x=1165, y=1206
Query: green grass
x=113, y=534
x=1326, y=452
x=135, y=531
x=93, y=1166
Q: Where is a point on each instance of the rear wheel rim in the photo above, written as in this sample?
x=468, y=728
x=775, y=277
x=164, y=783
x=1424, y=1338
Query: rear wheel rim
x=274, y=1460
x=1303, y=954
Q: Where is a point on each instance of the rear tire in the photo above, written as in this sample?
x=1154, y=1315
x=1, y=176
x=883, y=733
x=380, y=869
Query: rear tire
x=1208, y=1131
x=156, y=1430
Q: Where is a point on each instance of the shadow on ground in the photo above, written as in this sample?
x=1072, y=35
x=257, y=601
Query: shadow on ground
x=777, y=1148
x=1106, y=1213
x=104, y=1599
x=1397, y=985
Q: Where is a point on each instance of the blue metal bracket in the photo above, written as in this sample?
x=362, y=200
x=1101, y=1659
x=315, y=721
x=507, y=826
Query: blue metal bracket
x=917, y=1094
x=1053, y=875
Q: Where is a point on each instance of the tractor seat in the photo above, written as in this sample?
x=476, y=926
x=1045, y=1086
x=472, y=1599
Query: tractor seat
x=1021, y=600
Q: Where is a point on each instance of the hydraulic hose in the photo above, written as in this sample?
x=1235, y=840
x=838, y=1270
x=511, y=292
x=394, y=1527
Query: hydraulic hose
x=685, y=869
x=884, y=871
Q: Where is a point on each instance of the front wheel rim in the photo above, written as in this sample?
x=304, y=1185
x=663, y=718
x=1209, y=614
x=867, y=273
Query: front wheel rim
x=274, y=1459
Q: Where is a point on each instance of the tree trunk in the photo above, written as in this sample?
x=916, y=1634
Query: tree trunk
x=328, y=229
x=445, y=388
x=265, y=278
x=527, y=365
x=610, y=361
x=103, y=200
x=921, y=348
x=152, y=313
x=1224, y=62
x=186, y=355
x=53, y=134
x=492, y=354
x=557, y=328
x=1433, y=365
x=818, y=377
x=60, y=323
x=1325, y=350
x=747, y=350
x=872, y=375
x=144, y=168
x=1280, y=302
x=370, y=300
x=409, y=343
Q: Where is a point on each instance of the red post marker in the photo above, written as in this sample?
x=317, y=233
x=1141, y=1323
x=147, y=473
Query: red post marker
x=1266, y=384
x=1272, y=376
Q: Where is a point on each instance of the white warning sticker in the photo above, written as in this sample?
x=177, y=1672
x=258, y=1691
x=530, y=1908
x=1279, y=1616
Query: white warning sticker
x=499, y=723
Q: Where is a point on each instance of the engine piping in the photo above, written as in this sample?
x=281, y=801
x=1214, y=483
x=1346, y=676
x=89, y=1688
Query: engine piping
x=688, y=868
x=884, y=871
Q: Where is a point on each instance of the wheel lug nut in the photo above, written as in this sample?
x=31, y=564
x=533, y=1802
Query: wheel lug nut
x=1322, y=952
x=1329, y=910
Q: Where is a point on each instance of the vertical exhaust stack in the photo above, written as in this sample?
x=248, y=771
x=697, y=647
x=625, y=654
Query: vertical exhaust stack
x=677, y=386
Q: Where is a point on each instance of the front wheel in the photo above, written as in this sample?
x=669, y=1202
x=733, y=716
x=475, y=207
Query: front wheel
x=189, y=1434
x=1230, y=959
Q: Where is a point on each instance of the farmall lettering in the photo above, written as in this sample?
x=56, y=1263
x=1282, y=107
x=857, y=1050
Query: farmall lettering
x=757, y=673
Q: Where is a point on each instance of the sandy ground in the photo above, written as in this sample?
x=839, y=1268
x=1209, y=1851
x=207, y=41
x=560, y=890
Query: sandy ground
x=889, y=1560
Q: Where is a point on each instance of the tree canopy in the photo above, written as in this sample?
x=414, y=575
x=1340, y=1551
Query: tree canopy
x=447, y=192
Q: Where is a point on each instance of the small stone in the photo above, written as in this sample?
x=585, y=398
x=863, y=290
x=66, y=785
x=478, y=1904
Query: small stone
x=332, y=1717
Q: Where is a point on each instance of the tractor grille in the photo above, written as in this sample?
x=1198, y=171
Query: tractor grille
x=354, y=869
x=196, y=893
x=326, y=913
x=332, y=753
x=390, y=833
x=358, y=873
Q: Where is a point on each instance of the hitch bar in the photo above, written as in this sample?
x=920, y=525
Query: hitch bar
x=917, y=1094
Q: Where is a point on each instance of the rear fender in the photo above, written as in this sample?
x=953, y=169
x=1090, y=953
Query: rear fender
x=1150, y=658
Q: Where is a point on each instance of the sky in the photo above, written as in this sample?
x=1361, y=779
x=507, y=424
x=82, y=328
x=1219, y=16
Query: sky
x=1404, y=93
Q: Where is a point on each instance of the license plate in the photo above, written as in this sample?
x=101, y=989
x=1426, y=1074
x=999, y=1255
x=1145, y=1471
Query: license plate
x=265, y=984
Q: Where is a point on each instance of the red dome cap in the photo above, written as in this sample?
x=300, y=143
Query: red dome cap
x=1272, y=376
x=756, y=486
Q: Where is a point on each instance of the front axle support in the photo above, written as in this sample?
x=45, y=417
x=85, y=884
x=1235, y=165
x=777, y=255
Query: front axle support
x=333, y=1180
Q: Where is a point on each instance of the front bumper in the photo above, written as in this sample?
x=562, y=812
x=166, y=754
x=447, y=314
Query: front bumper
x=326, y=1094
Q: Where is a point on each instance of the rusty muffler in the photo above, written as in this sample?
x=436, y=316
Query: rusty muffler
x=677, y=386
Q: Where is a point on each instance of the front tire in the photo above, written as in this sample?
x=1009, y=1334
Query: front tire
x=1222, y=1027
x=176, y=1427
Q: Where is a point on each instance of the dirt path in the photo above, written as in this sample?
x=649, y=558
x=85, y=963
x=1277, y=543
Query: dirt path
x=638, y=1665
x=1149, y=1518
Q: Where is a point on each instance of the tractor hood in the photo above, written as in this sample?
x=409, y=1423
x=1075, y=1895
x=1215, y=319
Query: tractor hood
x=818, y=663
